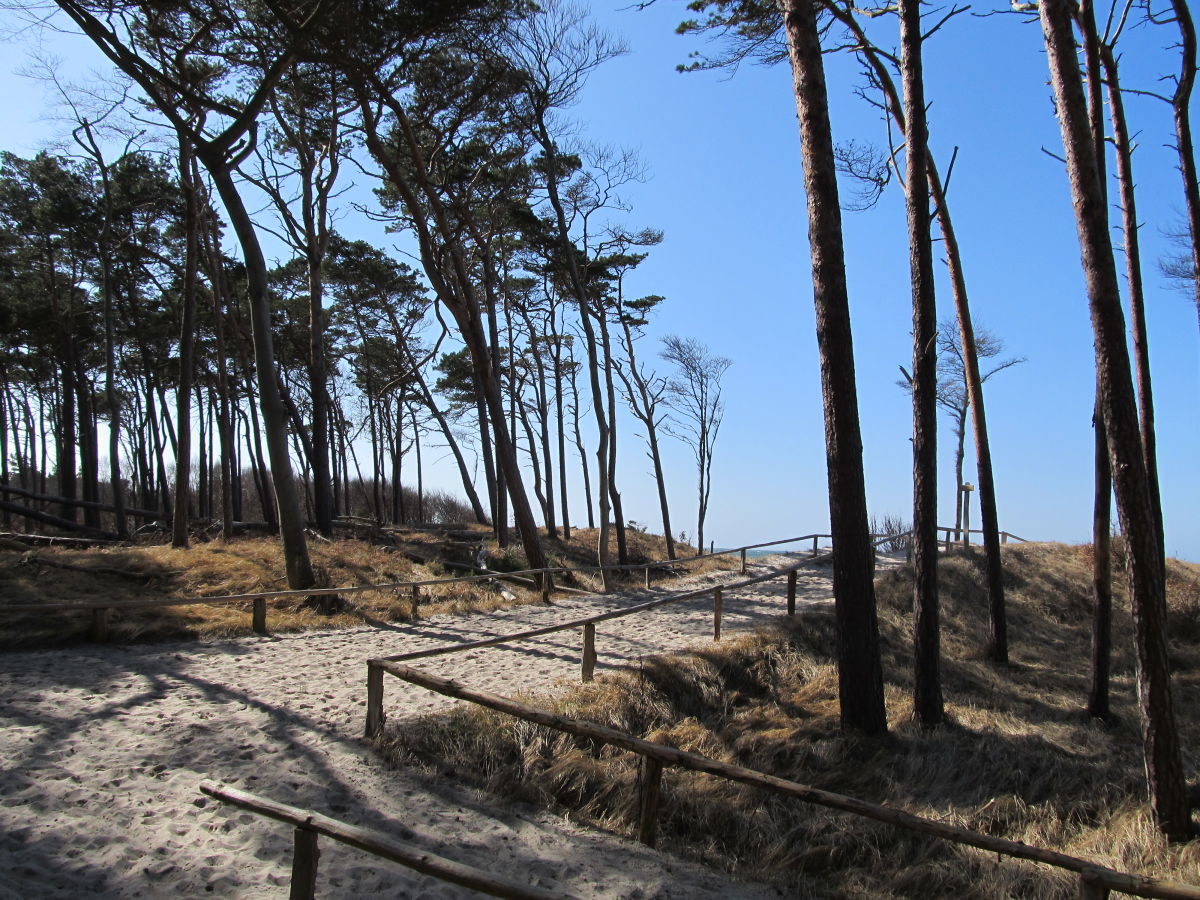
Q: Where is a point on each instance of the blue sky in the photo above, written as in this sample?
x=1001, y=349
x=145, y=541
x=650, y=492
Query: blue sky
x=726, y=187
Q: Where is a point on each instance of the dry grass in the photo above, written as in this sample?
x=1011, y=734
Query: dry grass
x=249, y=565
x=1021, y=758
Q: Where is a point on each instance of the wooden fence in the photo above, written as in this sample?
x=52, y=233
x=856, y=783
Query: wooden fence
x=376, y=667
x=1095, y=881
x=312, y=825
x=101, y=610
x=964, y=534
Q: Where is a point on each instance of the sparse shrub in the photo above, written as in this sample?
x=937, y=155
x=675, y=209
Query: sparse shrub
x=508, y=559
x=895, y=526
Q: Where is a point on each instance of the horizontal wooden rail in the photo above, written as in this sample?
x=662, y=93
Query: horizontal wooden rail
x=101, y=608
x=1004, y=535
x=592, y=620
x=311, y=824
x=1091, y=874
x=595, y=618
x=300, y=594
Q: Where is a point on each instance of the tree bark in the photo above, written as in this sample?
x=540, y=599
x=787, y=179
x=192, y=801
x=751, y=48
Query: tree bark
x=1102, y=497
x=1181, y=105
x=859, y=667
x=1123, y=145
x=1164, y=768
x=187, y=328
x=287, y=498
x=997, y=639
x=928, y=707
x=1098, y=704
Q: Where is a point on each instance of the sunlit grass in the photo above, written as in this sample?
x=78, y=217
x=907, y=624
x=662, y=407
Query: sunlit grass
x=1020, y=757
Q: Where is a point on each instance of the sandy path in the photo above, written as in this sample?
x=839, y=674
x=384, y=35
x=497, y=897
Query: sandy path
x=102, y=749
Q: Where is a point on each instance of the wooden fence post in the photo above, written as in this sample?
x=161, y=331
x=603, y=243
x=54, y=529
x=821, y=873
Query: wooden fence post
x=792, y=592
x=814, y=549
x=1004, y=537
x=647, y=578
x=259, y=616
x=374, y=698
x=651, y=789
x=1092, y=886
x=304, y=865
x=99, y=632
x=589, y=651
x=743, y=560
x=413, y=611
x=547, y=586
x=718, y=602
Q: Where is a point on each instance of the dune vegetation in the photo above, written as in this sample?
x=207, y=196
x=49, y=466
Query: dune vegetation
x=1019, y=757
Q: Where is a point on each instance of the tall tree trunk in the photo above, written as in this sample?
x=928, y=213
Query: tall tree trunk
x=587, y=479
x=660, y=480
x=541, y=390
x=1123, y=144
x=112, y=395
x=1098, y=704
x=1181, y=102
x=611, y=396
x=567, y=248
x=187, y=328
x=4, y=420
x=1102, y=496
x=643, y=406
x=66, y=439
x=494, y=488
x=998, y=639
x=203, y=506
x=997, y=648
x=89, y=446
x=1164, y=767
x=927, y=689
x=464, y=471
x=220, y=298
x=420, y=469
x=318, y=381
x=501, y=506
x=459, y=294
x=859, y=668
x=287, y=499
x=561, y=424
x=960, y=451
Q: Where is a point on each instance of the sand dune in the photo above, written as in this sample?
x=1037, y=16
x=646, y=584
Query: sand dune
x=103, y=749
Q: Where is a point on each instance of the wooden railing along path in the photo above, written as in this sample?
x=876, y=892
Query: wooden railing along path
x=312, y=825
x=102, y=609
x=1095, y=881
x=377, y=667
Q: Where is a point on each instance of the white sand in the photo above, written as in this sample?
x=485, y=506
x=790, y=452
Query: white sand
x=102, y=750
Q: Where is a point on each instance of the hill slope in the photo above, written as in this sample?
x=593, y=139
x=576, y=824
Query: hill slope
x=1021, y=759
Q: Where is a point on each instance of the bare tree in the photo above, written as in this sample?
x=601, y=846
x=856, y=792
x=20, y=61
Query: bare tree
x=694, y=394
x=954, y=394
x=646, y=392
